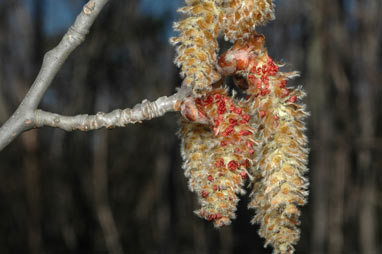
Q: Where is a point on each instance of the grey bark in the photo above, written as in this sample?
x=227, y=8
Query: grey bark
x=23, y=118
x=27, y=116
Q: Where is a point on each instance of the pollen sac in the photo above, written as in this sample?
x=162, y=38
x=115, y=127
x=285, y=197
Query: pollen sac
x=217, y=155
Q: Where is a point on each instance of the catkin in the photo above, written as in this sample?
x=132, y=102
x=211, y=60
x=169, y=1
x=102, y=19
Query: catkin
x=281, y=156
x=226, y=140
x=197, y=43
x=217, y=155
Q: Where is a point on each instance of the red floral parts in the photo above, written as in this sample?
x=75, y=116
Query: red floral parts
x=217, y=165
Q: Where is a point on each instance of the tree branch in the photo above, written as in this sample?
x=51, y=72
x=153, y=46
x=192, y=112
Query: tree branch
x=23, y=118
x=117, y=118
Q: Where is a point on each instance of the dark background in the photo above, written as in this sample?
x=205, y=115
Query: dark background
x=123, y=190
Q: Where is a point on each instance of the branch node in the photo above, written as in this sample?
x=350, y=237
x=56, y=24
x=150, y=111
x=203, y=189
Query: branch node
x=89, y=8
x=74, y=35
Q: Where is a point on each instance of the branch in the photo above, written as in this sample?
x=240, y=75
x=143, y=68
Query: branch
x=118, y=118
x=23, y=118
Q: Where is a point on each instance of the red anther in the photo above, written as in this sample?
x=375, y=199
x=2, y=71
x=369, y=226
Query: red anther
x=245, y=119
x=219, y=163
x=265, y=91
x=285, y=92
x=207, y=101
x=243, y=174
x=274, y=69
x=198, y=101
x=245, y=132
x=217, y=97
x=215, y=187
x=221, y=108
x=293, y=99
x=276, y=117
x=264, y=69
x=228, y=131
x=265, y=79
x=262, y=113
x=223, y=143
x=211, y=217
x=270, y=60
x=251, y=151
x=251, y=78
x=232, y=121
x=282, y=84
x=233, y=165
x=249, y=144
x=247, y=97
x=232, y=108
x=215, y=130
x=253, y=69
x=204, y=194
x=237, y=150
x=221, y=103
x=210, y=178
x=258, y=83
x=238, y=110
x=218, y=216
x=216, y=122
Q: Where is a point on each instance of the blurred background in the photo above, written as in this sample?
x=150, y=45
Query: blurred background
x=123, y=190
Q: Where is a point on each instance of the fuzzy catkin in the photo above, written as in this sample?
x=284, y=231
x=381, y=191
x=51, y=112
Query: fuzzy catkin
x=197, y=43
x=281, y=159
x=217, y=155
x=281, y=156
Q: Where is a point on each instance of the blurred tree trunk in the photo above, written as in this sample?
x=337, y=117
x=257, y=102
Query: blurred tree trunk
x=343, y=63
x=31, y=144
x=100, y=179
x=367, y=89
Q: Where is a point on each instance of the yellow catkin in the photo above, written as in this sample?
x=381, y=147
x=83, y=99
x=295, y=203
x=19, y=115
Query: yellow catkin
x=197, y=43
x=217, y=154
x=279, y=186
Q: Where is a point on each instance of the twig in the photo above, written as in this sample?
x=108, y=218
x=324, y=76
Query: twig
x=23, y=118
x=117, y=118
